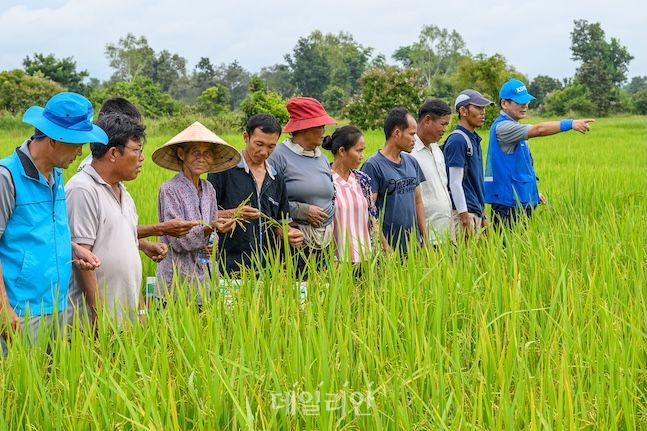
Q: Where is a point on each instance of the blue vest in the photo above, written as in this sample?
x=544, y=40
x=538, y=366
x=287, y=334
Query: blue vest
x=509, y=178
x=35, y=248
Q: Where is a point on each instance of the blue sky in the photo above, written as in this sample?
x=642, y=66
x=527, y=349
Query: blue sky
x=534, y=36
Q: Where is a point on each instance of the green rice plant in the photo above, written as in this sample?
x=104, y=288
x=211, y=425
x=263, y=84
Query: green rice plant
x=539, y=328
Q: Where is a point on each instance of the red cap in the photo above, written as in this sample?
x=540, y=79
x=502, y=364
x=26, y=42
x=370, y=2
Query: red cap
x=306, y=113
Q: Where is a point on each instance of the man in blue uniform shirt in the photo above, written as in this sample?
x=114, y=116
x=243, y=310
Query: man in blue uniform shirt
x=36, y=251
x=510, y=180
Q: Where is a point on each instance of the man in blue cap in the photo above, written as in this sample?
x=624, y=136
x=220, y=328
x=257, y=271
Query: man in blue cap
x=464, y=162
x=510, y=181
x=36, y=251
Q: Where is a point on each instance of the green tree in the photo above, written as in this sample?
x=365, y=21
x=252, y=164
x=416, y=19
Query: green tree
x=279, y=78
x=333, y=99
x=380, y=90
x=130, y=57
x=19, y=91
x=214, y=100
x=320, y=60
x=436, y=55
x=167, y=69
x=636, y=84
x=639, y=102
x=309, y=67
x=61, y=70
x=260, y=100
x=574, y=98
x=236, y=79
x=603, y=65
x=541, y=86
x=484, y=74
x=143, y=92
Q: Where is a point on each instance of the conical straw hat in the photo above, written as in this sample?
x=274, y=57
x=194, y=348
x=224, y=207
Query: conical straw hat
x=225, y=156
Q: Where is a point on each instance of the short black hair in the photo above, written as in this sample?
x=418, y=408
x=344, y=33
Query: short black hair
x=266, y=122
x=343, y=137
x=396, y=119
x=435, y=108
x=119, y=128
x=119, y=105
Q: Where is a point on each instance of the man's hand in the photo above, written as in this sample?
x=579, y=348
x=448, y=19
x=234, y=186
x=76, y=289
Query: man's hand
x=250, y=213
x=84, y=259
x=177, y=227
x=295, y=236
x=224, y=225
x=542, y=199
x=157, y=251
x=467, y=222
x=582, y=126
x=9, y=321
x=316, y=215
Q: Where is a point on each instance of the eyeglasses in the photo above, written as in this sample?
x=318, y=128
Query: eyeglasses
x=137, y=150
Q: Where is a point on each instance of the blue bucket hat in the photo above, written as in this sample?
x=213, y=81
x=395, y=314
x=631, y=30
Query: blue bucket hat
x=516, y=91
x=67, y=117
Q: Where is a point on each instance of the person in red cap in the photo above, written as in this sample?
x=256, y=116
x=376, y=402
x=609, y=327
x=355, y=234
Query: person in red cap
x=306, y=171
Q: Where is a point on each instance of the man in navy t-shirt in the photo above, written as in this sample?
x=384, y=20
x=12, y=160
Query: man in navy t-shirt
x=395, y=182
x=464, y=161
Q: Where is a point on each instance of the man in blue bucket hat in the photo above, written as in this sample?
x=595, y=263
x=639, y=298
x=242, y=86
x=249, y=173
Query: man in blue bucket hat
x=36, y=252
x=510, y=180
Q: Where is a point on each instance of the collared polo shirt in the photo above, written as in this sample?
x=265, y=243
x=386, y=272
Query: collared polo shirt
x=234, y=186
x=435, y=194
x=98, y=219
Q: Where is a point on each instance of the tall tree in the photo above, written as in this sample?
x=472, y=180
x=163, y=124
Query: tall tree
x=310, y=68
x=130, y=57
x=167, y=68
x=484, y=74
x=279, y=78
x=236, y=79
x=603, y=65
x=541, y=86
x=436, y=55
x=62, y=71
x=320, y=60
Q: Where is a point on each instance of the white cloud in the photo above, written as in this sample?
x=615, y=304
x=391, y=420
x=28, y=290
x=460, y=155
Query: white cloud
x=533, y=36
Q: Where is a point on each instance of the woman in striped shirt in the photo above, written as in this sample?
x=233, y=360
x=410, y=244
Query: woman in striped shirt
x=354, y=210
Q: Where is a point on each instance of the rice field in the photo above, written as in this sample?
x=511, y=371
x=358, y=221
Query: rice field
x=546, y=332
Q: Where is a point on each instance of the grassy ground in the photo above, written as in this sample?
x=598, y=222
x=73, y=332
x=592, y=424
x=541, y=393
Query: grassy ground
x=545, y=333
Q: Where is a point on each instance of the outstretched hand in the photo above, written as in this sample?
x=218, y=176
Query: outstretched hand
x=582, y=126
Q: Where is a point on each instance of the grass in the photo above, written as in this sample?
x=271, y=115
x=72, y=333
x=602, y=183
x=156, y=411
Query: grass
x=547, y=332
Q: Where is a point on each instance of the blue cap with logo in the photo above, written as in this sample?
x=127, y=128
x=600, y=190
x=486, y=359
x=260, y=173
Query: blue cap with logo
x=516, y=91
x=67, y=117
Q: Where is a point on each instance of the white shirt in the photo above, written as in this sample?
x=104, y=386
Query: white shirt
x=435, y=195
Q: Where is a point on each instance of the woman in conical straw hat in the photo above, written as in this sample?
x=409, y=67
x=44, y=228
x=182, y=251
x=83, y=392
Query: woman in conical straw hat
x=193, y=152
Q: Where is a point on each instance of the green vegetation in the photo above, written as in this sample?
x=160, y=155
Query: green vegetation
x=547, y=332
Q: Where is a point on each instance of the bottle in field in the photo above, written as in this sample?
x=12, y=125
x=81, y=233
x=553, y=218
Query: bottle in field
x=150, y=291
x=203, y=257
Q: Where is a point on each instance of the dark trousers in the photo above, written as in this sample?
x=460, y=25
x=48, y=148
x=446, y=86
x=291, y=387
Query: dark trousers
x=507, y=217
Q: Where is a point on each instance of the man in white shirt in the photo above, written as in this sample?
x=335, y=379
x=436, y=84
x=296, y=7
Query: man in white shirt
x=433, y=119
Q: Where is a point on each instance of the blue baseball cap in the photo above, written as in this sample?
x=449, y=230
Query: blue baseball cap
x=516, y=91
x=67, y=117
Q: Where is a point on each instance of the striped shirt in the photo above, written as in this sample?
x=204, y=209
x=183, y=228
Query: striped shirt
x=351, y=222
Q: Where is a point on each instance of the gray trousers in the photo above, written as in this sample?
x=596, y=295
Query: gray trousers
x=35, y=328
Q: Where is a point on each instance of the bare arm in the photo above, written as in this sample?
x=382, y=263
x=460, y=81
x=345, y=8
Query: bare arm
x=175, y=228
x=89, y=286
x=420, y=216
x=9, y=320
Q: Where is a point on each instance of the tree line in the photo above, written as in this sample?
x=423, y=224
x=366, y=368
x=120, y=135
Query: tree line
x=345, y=75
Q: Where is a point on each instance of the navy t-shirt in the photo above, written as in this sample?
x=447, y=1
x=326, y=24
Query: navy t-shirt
x=395, y=185
x=455, y=150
